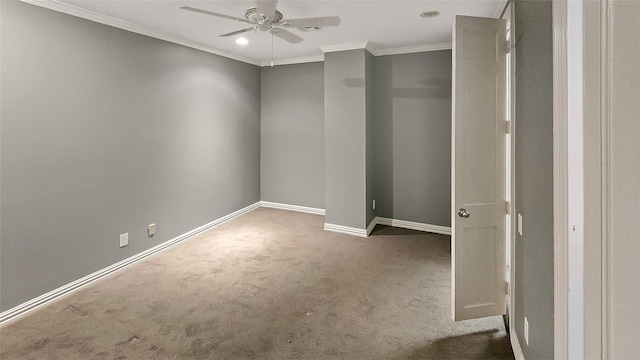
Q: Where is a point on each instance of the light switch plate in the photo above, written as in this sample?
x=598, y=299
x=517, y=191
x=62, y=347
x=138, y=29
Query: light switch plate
x=124, y=239
x=520, y=224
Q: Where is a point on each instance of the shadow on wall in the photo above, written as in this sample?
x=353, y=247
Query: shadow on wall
x=434, y=88
x=489, y=344
x=412, y=129
x=354, y=83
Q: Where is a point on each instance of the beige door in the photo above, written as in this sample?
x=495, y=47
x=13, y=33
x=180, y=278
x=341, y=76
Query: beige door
x=478, y=179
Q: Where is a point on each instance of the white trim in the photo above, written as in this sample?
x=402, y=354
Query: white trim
x=411, y=49
x=345, y=47
x=300, y=60
x=606, y=91
x=382, y=52
x=437, y=229
x=560, y=182
x=500, y=8
x=121, y=24
x=372, y=224
x=303, y=209
x=515, y=344
x=31, y=305
x=158, y=34
x=575, y=177
x=345, y=230
x=444, y=230
x=512, y=165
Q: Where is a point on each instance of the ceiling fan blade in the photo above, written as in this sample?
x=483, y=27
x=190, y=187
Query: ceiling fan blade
x=315, y=21
x=267, y=7
x=287, y=36
x=237, y=32
x=206, y=12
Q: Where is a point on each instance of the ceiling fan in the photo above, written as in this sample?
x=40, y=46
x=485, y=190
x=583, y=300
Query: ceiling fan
x=265, y=17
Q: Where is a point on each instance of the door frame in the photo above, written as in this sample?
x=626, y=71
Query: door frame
x=560, y=185
x=509, y=11
x=597, y=34
x=561, y=159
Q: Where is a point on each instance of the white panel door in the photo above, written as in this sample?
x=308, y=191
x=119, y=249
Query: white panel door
x=479, y=160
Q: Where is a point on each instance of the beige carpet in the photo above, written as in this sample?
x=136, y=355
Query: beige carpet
x=270, y=284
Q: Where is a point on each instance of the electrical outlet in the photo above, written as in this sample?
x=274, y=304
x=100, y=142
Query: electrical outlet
x=520, y=224
x=374, y=204
x=124, y=239
x=151, y=230
x=526, y=331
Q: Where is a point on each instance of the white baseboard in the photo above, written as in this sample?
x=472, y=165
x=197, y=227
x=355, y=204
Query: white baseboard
x=29, y=306
x=388, y=222
x=445, y=230
x=346, y=230
x=515, y=344
x=372, y=224
x=304, y=209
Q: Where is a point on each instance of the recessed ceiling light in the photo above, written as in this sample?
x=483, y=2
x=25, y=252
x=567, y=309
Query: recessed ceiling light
x=242, y=41
x=430, y=14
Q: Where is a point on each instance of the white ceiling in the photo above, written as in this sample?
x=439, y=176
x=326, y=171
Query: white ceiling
x=387, y=25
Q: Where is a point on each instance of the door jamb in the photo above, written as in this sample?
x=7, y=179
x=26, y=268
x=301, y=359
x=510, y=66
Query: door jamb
x=560, y=177
x=509, y=10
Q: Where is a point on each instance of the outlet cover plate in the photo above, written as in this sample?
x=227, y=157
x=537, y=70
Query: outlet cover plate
x=151, y=230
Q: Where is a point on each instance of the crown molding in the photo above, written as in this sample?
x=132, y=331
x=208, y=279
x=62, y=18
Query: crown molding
x=124, y=25
x=154, y=33
x=345, y=47
x=411, y=49
x=299, y=60
x=497, y=13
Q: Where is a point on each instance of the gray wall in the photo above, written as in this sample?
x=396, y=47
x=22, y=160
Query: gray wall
x=105, y=131
x=412, y=126
x=345, y=133
x=369, y=147
x=292, y=149
x=407, y=134
x=534, y=177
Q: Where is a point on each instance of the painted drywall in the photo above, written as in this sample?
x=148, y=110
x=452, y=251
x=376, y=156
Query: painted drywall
x=412, y=135
x=369, y=137
x=104, y=132
x=624, y=176
x=345, y=133
x=292, y=140
x=534, y=177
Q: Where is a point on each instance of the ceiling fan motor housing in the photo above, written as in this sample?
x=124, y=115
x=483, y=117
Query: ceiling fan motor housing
x=264, y=23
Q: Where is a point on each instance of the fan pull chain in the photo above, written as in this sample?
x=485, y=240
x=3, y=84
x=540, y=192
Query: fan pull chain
x=272, y=30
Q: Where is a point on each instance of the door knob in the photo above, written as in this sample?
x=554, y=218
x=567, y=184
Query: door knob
x=463, y=213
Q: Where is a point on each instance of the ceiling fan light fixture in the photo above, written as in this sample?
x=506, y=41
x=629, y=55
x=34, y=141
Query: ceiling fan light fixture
x=430, y=14
x=242, y=41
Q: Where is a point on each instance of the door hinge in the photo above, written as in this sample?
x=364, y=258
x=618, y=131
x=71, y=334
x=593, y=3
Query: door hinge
x=507, y=207
x=507, y=288
x=508, y=46
x=507, y=127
